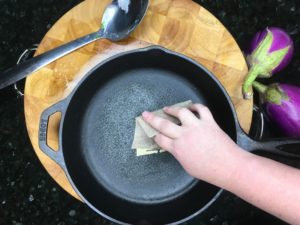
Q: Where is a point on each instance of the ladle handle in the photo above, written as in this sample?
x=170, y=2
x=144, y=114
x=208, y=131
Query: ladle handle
x=22, y=70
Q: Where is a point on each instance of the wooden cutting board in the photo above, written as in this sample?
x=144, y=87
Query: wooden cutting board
x=180, y=25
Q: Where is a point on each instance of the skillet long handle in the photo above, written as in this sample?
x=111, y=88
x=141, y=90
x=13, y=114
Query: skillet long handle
x=57, y=156
x=288, y=147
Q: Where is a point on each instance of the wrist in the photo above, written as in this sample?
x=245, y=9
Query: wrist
x=234, y=165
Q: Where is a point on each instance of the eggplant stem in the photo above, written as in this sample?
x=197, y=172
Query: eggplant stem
x=260, y=87
x=250, y=78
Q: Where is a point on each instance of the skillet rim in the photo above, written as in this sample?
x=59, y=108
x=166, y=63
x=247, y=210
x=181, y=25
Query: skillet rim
x=70, y=96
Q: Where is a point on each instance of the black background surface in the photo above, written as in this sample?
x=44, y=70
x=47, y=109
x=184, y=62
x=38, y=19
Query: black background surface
x=28, y=195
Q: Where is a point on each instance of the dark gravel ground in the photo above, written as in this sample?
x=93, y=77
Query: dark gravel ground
x=28, y=195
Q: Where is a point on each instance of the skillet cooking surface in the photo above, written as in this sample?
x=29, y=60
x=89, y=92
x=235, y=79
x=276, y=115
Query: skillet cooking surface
x=97, y=148
x=108, y=128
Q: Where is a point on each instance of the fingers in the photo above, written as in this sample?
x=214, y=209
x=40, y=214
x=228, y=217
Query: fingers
x=185, y=116
x=163, y=126
x=164, y=142
x=202, y=110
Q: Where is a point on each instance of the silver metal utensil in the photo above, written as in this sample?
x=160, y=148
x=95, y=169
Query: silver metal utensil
x=120, y=18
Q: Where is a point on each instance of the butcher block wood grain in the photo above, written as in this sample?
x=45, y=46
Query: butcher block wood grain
x=180, y=25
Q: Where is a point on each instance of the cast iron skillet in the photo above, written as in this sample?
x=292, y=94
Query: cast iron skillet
x=96, y=133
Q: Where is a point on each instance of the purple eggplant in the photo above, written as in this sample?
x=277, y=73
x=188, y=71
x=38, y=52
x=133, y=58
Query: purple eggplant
x=270, y=51
x=282, y=105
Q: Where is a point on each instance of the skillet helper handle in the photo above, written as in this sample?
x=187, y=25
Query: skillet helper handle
x=288, y=147
x=56, y=156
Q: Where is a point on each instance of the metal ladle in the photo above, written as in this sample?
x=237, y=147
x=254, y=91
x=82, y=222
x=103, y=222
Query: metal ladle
x=120, y=18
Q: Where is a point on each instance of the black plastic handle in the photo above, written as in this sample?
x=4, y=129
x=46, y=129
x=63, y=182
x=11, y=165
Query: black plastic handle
x=57, y=156
x=280, y=147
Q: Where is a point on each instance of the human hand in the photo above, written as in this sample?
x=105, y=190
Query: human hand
x=207, y=153
x=200, y=145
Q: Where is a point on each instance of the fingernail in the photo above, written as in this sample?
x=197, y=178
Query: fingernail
x=145, y=114
x=166, y=108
